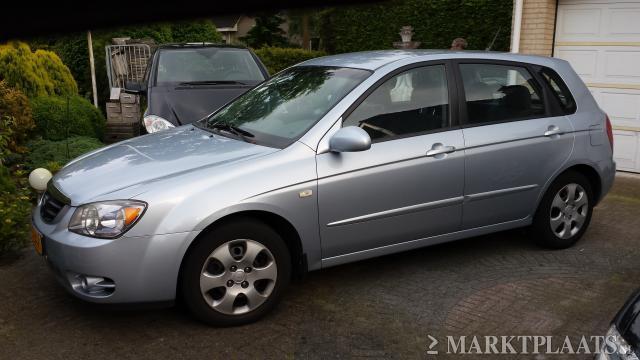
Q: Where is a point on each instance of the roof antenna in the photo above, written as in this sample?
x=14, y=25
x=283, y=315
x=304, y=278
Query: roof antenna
x=494, y=40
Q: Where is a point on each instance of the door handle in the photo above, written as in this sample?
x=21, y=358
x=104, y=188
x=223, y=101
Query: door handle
x=438, y=149
x=553, y=130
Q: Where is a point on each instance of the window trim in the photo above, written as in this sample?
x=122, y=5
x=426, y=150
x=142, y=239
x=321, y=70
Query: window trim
x=451, y=91
x=462, y=100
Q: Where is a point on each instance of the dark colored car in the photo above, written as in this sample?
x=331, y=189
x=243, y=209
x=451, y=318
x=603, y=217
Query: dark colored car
x=186, y=82
x=622, y=341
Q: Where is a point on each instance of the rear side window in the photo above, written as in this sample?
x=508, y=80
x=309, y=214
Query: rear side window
x=497, y=93
x=559, y=90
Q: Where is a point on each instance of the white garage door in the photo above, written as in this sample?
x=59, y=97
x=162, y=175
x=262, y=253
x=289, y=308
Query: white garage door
x=601, y=39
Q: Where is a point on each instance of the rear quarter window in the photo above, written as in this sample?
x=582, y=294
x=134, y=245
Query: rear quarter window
x=559, y=90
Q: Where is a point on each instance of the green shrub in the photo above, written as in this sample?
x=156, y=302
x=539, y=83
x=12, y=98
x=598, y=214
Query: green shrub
x=436, y=23
x=15, y=209
x=276, y=59
x=6, y=184
x=15, y=112
x=35, y=74
x=52, y=155
x=64, y=84
x=54, y=121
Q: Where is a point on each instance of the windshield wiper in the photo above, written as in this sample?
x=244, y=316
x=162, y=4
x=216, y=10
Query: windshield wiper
x=232, y=129
x=212, y=82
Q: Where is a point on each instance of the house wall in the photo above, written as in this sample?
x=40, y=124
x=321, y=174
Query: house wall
x=538, y=20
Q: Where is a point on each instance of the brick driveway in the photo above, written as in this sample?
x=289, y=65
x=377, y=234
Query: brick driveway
x=381, y=308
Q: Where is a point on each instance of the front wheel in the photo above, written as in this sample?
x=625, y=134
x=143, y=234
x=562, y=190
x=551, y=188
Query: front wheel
x=236, y=273
x=564, y=212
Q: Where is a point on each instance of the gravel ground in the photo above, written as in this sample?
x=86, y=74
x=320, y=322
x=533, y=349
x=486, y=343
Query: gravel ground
x=387, y=307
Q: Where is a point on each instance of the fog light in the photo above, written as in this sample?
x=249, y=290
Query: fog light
x=94, y=286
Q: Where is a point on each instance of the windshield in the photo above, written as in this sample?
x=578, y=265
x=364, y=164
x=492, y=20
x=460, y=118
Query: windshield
x=284, y=107
x=207, y=64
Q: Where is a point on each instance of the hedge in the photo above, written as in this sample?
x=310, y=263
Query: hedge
x=53, y=155
x=436, y=23
x=276, y=59
x=15, y=209
x=35, y=74
x=54, y=121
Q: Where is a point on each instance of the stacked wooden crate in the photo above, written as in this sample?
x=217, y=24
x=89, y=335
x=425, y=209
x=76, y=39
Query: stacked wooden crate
x=123, y=118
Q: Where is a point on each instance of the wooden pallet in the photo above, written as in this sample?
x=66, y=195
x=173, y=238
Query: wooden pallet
x=118, y=132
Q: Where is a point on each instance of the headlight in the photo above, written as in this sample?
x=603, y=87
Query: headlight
x=615, y=347
x=108, y=219
x=155, y=123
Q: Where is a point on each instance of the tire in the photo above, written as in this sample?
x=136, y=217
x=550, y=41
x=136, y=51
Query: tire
x=235, y=296
x=562, y=218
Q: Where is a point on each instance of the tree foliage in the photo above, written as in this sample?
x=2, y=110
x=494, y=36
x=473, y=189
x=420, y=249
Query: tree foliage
x=436, y=23
x=266, y=32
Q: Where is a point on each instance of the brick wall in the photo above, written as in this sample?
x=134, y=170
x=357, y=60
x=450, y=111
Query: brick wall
x=538, y=19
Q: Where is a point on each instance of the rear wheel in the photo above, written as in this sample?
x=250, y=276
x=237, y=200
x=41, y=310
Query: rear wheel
x=565, y=212
x=236, y=273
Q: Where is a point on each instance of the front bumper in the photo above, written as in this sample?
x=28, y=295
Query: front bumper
x=142, y=268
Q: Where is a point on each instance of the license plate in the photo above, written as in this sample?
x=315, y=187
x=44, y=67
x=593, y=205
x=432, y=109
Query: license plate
x=36, y=239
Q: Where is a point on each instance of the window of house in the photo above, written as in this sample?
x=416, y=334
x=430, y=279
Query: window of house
x=560, y=90
x=411, y=102
x=500, y=93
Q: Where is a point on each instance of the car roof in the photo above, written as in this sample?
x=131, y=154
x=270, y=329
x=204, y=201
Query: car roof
x=372, y=60
x=199, y=45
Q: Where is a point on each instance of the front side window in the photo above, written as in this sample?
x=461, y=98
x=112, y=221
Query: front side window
x=497, y=93
x=207, y=64
x=411, y=102
x=284, y=107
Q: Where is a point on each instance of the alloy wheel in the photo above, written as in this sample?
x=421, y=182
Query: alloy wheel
x=238, y=276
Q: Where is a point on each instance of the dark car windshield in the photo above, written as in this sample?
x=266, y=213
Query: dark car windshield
x=281, y=109
x=202, y=64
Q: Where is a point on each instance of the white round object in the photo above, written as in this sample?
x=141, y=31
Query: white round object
x=39, y=178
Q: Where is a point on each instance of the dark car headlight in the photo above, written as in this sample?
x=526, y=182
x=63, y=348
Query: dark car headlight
x=107, y=219
x=615, y=347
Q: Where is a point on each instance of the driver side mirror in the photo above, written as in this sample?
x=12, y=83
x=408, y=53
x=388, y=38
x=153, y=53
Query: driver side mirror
x=350, y=139
x=135, y=87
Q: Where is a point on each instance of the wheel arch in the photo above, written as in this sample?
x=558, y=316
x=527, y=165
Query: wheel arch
x=282, y=226
x=585, y=169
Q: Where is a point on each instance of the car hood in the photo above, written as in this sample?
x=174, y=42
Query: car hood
x=183, y=105
x=150, y=158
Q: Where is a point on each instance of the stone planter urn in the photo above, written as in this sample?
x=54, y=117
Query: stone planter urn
x=406, y=33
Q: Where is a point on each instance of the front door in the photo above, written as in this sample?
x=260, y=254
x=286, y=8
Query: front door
x=409, y=185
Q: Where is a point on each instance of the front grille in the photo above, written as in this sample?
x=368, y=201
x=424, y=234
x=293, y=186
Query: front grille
x=52, y=203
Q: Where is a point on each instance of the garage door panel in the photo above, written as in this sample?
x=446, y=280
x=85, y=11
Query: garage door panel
x=601, y=40
x=579, y=23
x=626, y=147
x=584, y=61
x=622, y=64
x=624, y=22
x=622, y=107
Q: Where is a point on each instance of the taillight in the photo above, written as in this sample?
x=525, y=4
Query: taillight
x=609, y=131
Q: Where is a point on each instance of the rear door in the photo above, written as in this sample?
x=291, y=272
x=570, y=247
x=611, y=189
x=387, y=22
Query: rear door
x=513, y=143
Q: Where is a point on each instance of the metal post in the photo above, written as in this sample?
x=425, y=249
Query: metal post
x=93, y=69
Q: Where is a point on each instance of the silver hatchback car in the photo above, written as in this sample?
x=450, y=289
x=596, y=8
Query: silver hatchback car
x=334, y=160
